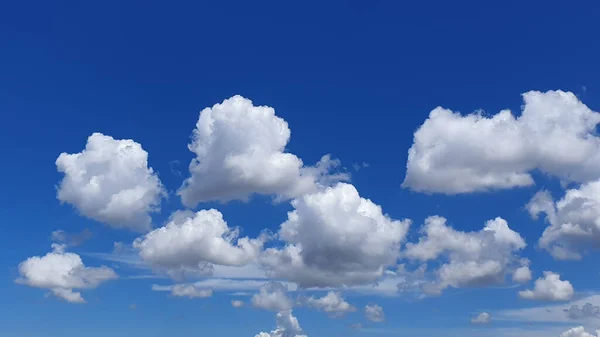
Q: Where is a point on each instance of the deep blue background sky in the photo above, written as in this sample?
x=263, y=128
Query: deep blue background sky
x=352, y=78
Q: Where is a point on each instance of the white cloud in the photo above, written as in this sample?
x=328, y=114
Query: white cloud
x=237, y=304
x=287, y=326
x=334, y=237
x=196, y=241
x=574, y=220
x=110, y=182
x=482, y=318
x=523, y=273
x=61, y=272
x=579, y=332
x=333, y=304
x=272, y=296
x=374, y=313
x=555, y=134
x=474, y=258
x=240, y=151
x=190, y=291
x=549, y=288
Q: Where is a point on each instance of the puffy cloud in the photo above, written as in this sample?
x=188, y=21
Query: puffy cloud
x=272, y=296
x=549, y=288
x=196, y=241
x=240, y=151
x=574, y=220
x=61, y=272
x=523, y=273
x=334, y=237
x=287, y=326
x=579, y=332
x=110, y=181
x=190, y=291
x=237, y=304
x=333, y=304
x=474, y=258
x=556, y=134
x=374, y=313
x=482, y=318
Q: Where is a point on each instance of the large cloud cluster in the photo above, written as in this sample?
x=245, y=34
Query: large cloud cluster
x=110, y=182
x=556, y=134
x=474, y=258
x=334, y=237
x=240, y=151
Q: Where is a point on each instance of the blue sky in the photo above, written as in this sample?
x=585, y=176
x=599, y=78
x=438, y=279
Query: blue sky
x=352, y=79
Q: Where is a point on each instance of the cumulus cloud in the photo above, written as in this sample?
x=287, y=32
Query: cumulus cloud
x=556, y=134
x=61, y=272
x=240, y=151
x=110, y=182
x=335, y=238
x=237, y=304
x=523, y=273
x=574, y=220
x=287, y=326
x=374, y=313
x=579, y=332
x=333, y=304
x=196, y=241
x=190, y=291
x=474, y=258
x=272, y=296
x=549, y=288
x=482, y=318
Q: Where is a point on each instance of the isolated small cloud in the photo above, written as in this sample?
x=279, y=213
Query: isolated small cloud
x=190, y=291
x=549, y=288
x=482, y=318
x=332, y=303
x=374, y=313
x=237, y=304
x=61, y=272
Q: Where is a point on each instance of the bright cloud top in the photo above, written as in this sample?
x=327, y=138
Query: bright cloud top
x=549, y=288
x=196, y=241
x=579, y=332
x=240, y=151
x=454, y=154
x=332, y=303
x=574, y=220
x=335, y=238
x=110, y=182
x=287, y=326
x=61, y=272
x=474, y=258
